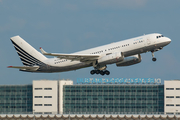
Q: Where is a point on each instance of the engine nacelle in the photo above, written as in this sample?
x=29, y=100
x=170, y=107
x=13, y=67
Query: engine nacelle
x=111, y=58
x=130, y=60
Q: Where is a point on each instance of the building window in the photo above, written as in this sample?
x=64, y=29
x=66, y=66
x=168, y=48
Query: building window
x=177, y=88
x=38, y=104
x=178, y=105
x=169, y=104
x=177, y=96
x=47, y=96
x=169, y=88
x=47, y=88
x=47, y=104
x=47, y=112
x=38, y=96
x=38, y=88
x=37, y=112
x=169, y=96
x=169, y=113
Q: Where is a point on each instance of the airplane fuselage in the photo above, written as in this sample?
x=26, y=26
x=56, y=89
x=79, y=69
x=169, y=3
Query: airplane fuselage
x=129, y=47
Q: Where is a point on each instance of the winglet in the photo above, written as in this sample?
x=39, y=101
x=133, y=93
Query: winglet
x=43, y=52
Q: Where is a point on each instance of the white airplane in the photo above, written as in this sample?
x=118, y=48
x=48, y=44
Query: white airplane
x=123, y=53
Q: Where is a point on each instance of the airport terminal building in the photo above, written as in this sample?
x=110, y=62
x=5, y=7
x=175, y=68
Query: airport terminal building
x=16, y=99
x=62, y=97
x=113, y=98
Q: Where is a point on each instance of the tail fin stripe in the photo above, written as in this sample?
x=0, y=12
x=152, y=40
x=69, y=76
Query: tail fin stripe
x=26, y=58
x=26, y=63
x=24, y=53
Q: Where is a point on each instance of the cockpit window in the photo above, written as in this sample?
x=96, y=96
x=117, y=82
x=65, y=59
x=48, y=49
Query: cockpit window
x=159, y=36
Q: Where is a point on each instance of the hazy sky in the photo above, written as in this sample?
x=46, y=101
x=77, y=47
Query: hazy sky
x=66, y=26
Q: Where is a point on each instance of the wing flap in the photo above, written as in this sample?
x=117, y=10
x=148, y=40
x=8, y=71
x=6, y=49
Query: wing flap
x=73, y=57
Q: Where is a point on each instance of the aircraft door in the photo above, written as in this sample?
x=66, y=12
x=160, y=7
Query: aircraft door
x=148, y=41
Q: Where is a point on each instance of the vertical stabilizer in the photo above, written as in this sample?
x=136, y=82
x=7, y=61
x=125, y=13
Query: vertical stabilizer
x=28, y=55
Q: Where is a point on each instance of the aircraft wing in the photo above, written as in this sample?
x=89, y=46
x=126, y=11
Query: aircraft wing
x=73, y=57
x=34, y=68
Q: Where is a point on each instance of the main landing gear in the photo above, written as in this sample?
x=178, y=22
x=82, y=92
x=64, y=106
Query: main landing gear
x=153, y=59
x=100, y=72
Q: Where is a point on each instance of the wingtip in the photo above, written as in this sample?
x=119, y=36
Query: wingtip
x=9, y=66
x=42, y=51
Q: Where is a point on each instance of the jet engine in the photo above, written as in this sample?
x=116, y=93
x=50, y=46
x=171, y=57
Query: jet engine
x=111, y=58
x=131, y=60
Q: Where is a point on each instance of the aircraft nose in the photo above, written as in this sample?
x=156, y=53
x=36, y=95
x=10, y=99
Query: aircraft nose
x=168, y=40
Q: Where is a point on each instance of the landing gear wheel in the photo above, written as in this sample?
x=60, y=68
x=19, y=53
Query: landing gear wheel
x=102, y=72
x=97, y=71
x=154, y=59
x=92, y=72
x=107, y=72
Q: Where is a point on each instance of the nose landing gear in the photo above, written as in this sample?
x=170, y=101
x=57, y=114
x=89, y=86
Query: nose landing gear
x=153, y=59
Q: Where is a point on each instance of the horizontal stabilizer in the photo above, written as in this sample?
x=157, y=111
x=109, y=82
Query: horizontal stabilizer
x=34, y=68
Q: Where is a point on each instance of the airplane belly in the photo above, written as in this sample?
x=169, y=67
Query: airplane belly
x=143, y=50
x=52, y=69
x=135, y=51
